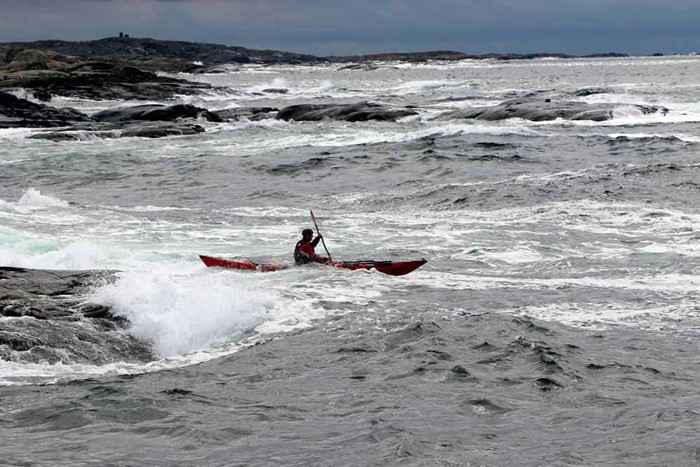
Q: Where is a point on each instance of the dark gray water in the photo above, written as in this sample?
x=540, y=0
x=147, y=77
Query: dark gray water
x=554, y=324
x=386, y=389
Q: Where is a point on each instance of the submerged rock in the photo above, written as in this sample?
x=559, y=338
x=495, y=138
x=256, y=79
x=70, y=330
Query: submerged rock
x=539, y=110
x=359, y=112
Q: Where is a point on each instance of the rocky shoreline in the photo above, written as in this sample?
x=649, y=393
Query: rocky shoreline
x=158, y=120
x=122, y=69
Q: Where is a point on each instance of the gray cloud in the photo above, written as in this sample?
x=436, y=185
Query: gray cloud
x=325, y=27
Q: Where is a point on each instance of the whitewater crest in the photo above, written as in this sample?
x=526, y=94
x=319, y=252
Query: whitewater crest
x=32, y=200
x=183, y=313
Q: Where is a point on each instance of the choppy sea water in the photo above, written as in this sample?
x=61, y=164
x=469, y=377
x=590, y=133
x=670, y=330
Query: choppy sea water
x=554, y=324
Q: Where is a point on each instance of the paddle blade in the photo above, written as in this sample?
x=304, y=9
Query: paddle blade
x=313, y=218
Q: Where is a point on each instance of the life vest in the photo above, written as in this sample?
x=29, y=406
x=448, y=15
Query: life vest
x=302, y=257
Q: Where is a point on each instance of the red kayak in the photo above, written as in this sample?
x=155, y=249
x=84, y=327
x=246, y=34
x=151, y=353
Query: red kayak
x=393, y=268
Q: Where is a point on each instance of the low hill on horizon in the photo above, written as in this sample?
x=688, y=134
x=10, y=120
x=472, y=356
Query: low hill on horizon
x=126, y=48
x=144, y=49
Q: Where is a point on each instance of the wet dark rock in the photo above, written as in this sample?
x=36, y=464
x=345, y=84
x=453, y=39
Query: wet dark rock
x=177, y=392
x=151, y=121
x=145, y=121
x=160, y=130
x=249, y=113
x=96, y=80
x=18, y=342
x=275, y=91
x=42, y=95
x=155, y=112
x=539, y=110
x=210, y=71
x=44, y=294
x=47, y=319
x=129, y=130
x=359, y=112
x=460, y=370
x=356, y=349
x=21, y=113
x=591, y=91
x=365, y=66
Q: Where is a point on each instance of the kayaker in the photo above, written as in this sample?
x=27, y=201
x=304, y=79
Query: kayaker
x=304, y=252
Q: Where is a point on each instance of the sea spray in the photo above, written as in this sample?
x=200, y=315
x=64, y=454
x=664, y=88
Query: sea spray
x=182, y=312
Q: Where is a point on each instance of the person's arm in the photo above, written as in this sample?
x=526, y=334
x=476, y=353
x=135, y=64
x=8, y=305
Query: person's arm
x=315, y=241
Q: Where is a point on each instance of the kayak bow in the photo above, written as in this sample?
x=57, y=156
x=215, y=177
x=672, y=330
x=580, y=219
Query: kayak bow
x=392, y=268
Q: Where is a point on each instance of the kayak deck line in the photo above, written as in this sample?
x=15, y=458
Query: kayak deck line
x=392, y=268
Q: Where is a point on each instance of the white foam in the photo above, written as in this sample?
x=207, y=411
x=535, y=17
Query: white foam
x=429, y=86
x=517, y=256
x=656, y=317
x=268, y=211
x=185, y=312
x=316, y=134
x=32, y=200
x=682, y=283
x=626, y=111
x=38, y=253
x=276, y=83
x=679, y=136
x=13, y=133
x=20, y=374
x=190, y=313
x=150, y=208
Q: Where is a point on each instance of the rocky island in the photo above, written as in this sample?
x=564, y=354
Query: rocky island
x=143, y=69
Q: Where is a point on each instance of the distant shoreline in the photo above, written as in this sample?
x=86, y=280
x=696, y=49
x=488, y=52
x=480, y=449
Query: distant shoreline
x=146, y=49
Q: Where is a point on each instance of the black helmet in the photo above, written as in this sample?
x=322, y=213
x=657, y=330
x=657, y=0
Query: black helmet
x=307, y=232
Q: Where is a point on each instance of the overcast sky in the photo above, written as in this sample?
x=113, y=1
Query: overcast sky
x=333, y=27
